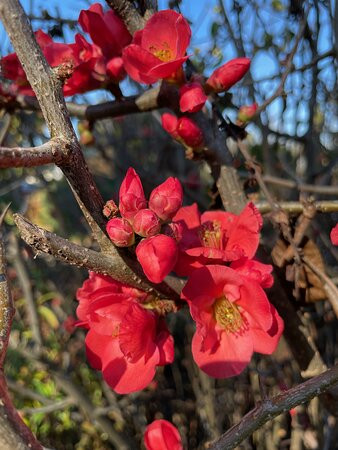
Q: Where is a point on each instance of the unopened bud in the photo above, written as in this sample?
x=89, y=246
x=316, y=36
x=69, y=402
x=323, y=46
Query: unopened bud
x=146, y=223
x=120, y=232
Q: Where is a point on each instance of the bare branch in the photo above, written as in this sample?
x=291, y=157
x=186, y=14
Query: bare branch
x=328, y=190
x=13, y=432
x=48, y=90
x=288, y=67
x=130, y=16
x=325, y=206
x=50, y=152
x=73, y=254
x=273, y=407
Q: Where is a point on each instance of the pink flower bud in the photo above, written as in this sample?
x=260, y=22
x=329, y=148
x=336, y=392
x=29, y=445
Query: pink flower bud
x=157, y=256
x=162, y=435
x=227, y=75
x=246, y=112
x=115, y=69
x=131, y=195
x=120, y=232
x=189, y=132
x=192, y=97
x=166, y=199
x=169, y=123
x=146, y=223
x=110, y=209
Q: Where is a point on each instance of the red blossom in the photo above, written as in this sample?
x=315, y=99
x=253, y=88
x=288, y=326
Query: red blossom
x=157, y=256
x=166, y=199
x=216, y=236
x=162, y=435
x=334, y=235
x=131, y=195
x=115, y=69
x=192, y=97
x=120, y=232
x=227, y=75
x=189, y=132
x=158, y=51
x=233, y=319
x=106, y=30
x=125, y=341
x=146, y=223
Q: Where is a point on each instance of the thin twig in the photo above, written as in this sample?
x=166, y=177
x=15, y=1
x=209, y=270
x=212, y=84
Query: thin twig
x=313, y=188
x=324, y=206
x=273, y=407
x=288, y=67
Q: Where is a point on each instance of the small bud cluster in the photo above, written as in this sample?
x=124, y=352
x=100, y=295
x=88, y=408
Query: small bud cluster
x=156, y=252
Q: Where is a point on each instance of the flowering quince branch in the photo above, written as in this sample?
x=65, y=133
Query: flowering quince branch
x=70, y=253
x=13, y=432
x=271, y=408
x=48, y=153
x=133, y=20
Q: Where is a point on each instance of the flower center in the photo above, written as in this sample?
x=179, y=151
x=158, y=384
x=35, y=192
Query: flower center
x=211, y=235
x=227, y=315
x=164, y=54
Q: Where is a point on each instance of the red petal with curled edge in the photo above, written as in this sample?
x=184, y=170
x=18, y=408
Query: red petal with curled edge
x=266, y=341
x=138, y=62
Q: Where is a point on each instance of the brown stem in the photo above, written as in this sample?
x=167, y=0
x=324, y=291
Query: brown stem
x=130, y=16
x=271, y=408
x=48, y=90
x=50, y=152
x=328, y=190
x=13, y=432
x=73, y=254
x=325, y=206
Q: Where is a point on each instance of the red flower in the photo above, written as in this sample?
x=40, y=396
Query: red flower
x=254, y=270
x=166, y=199
x=120, y=232
x=216, y=236
x=233, y=319
x=334, y=235
x=107, y=30
x=227, y=75
x=131, y=195
x=146, y=223
x=55, y=53
x=162, y=435
x=158, y=50
x=157, y=256
x=192, y=97
x=125, y=340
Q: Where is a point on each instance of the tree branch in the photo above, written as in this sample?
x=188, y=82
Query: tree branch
x=48, y=90
x=328, y=190
x=271, y=408
x=325, y=206
x=13, y=432
x=73, y=254
x=130, y=16
x=50, y=152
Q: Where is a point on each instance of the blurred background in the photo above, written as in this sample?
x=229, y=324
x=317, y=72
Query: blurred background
x=295, y=139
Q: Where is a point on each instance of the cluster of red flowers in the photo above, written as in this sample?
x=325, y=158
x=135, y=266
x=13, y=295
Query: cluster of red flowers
x=92, y=66
x=225, y=288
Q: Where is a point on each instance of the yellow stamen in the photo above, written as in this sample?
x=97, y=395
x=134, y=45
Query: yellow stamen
x=164, y=54
x=227, y=315
x=211, y=235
